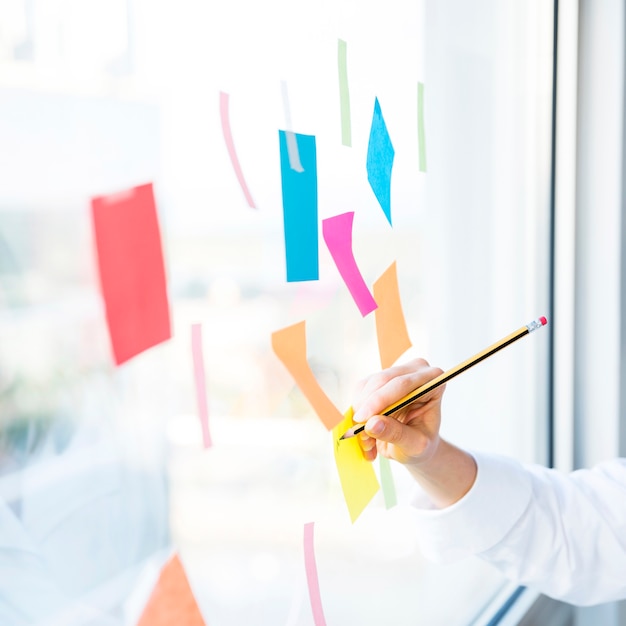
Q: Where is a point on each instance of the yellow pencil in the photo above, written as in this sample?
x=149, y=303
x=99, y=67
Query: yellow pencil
x=455, y=371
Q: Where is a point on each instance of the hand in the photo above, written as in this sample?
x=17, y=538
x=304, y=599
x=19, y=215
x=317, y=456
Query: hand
x=410, y=435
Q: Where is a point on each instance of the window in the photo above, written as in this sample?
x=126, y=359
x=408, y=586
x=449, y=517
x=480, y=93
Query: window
x=103, y=470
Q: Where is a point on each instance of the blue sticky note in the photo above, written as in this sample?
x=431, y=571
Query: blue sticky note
x=380, y=155
x=300, y=209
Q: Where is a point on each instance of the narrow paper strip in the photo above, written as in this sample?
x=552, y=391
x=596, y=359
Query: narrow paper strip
x=386, y=482
x=292, y=142
x=300, y=209
x=337, y=232
x=311, y=575
x=421, y=132
x=230, y=145
x=200, y=380
x=344, y=93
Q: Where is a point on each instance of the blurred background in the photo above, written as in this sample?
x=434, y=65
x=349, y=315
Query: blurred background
x=102, y=469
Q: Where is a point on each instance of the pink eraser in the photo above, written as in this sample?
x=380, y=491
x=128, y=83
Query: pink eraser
x=543, y=321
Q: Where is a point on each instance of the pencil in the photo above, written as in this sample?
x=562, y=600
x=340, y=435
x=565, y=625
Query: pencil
x=455, y=371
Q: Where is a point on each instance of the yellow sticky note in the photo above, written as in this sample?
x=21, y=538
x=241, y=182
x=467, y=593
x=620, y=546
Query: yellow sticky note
x=357, y=476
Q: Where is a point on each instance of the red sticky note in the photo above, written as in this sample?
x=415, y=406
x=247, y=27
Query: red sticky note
x=172, y=600
x=132, y=271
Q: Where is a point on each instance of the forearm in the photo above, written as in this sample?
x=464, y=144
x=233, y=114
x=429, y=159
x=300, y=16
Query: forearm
x=446, y=475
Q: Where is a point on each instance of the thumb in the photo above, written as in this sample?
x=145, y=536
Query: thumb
x=410, y=440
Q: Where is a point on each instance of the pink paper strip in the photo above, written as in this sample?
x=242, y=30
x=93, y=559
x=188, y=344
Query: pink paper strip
x=230, y=144
x=337, y=233
x=311, y=576
x=198, y=370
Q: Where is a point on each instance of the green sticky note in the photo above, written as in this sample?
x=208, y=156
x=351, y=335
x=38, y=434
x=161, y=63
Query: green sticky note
x=344, y=93
x=387, y=483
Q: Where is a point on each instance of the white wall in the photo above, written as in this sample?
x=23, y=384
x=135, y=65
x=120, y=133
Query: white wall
x=598, y=283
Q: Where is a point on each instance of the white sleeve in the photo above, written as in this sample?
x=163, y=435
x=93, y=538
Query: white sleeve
x=563, y=534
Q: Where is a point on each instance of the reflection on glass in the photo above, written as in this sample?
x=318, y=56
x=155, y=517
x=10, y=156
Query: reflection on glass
x=102, y=469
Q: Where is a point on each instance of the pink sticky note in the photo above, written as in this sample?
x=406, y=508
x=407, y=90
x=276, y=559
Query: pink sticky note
x=230, y=145
x=337, y=233
x=311, y=576
x=198, y=370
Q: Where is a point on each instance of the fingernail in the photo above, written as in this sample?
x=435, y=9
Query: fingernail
x=376, y=427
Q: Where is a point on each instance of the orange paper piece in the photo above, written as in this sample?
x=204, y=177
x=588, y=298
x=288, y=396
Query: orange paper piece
x=357, y=476
x=172, y=601
x=391, y=331
x=289, y=344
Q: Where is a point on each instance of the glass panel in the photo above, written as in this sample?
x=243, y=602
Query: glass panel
x=102, y=469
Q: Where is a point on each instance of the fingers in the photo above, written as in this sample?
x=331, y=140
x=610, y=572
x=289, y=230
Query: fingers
x=386, y=387
x=407, y=441
x=368, y=446
x=400, y=437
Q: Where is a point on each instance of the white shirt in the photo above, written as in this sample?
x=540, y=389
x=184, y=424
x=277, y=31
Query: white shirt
x=562, y=534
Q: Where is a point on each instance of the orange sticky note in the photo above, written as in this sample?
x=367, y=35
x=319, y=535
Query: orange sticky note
x=289, y=344
x=172, y=601
x=391, y=331
x=357, y=476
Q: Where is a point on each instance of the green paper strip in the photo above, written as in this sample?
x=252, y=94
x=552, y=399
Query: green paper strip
x=421, y=135
x=386, y=482
x=344, y=94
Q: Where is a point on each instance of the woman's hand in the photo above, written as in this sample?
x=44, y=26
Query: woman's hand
x=410, y=435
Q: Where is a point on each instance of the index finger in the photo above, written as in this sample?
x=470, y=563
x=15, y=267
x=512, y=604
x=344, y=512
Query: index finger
x=391, y=386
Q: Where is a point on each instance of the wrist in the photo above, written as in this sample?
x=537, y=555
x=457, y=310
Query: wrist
x=446, y=474
x=429, y=458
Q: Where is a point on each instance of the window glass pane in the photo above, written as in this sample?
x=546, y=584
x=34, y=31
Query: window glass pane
x=102, y=469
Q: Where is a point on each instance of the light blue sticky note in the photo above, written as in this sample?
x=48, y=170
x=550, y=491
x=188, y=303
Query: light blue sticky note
x=380, y=155
x=300, y=209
